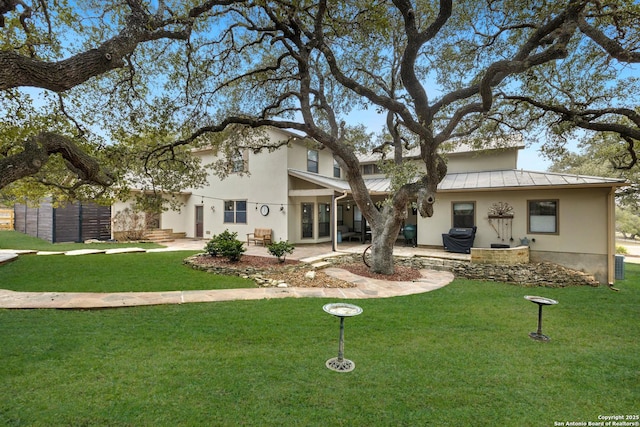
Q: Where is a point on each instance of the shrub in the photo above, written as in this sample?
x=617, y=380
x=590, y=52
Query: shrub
x=227, y=245
x=621, y=250
x=280, y=249
x=129, y=224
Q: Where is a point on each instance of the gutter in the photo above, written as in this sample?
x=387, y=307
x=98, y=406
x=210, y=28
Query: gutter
x=611, y=237
x=334, y=238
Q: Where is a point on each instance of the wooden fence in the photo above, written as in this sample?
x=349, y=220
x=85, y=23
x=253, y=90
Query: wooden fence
x=73, y=222
x=6, y=219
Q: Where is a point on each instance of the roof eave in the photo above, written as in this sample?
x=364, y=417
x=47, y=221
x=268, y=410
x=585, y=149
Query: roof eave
x=537, y=187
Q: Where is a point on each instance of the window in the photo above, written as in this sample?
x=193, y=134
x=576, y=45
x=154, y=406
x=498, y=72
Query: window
x=235, y=211
x=239, y=161
x=336, y=169
x=357, y=220
x=464, y=214
x=324, y=219
x=371, y=169
x=543, y=216
x=307, y=220
x=312, y=161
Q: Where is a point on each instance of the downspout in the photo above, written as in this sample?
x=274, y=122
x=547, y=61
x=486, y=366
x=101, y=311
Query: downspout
x=334, y=238
x=611, y=236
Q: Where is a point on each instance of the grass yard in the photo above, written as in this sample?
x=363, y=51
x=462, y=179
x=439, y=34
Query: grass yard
x=133, y=272
x=137, y=272
x=457, y=356
x=16, y=240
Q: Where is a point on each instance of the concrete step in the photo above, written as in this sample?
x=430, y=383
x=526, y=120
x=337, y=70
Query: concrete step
x=160, y=235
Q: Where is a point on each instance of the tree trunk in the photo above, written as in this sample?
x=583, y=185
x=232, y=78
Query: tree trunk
x=383, y=238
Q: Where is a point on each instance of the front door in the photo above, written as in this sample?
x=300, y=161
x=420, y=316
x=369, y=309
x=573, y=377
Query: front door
x=199, y=221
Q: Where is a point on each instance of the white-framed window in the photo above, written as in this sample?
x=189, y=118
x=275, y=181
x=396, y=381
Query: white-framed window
x=324, y=220
x=240, y=161
x=307, y=220
x=336, y=169
x=312, y=161
x=371, y=169
x=357, y=220
x=463, y=214
x=235, y=211
x=543, y=216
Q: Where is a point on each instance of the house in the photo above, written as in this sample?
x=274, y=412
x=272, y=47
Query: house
x=296, y=190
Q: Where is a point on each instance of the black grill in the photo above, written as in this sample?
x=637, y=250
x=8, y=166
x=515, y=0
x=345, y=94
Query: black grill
x=459, y=240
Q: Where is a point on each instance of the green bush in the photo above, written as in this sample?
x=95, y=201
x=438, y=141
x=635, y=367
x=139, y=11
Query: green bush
x=280, y=249
x=227, y=245
x=621, y=250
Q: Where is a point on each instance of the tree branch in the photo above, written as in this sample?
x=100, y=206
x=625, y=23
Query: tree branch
x=611, y=46
x=36, y=152
x=17, y=70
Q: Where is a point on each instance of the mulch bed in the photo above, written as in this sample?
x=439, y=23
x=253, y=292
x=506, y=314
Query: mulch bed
x=276, y=270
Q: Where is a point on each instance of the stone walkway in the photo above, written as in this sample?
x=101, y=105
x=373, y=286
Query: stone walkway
x=365, y=287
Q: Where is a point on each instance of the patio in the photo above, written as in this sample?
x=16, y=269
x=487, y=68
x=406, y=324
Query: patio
x=324, y=249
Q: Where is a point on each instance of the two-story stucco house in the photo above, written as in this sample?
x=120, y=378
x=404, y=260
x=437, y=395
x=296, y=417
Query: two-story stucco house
x=299, y=193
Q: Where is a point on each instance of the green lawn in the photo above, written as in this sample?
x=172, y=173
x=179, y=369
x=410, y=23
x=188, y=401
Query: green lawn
x=457, y=356
x=16, y=240
x=133, y=272
x=137, y=272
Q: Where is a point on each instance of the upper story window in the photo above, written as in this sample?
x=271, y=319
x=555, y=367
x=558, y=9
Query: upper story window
x=463, y=214
x=543, y=216
x=239, y=161
x=336, y=169
x=312, y=161
x=371, y=169
x=235, y=211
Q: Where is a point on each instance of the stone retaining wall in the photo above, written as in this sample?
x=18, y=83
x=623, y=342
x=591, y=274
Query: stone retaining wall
x=531, y=274
x=525, y=274
x=242, y=272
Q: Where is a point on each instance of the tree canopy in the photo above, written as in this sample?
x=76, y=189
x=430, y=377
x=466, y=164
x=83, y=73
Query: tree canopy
x=127, y=87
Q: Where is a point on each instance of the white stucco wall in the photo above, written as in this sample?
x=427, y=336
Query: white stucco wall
x=266, y=184
x=176, y=219
x=581, y=241
x=582, y=219
x=483, y=161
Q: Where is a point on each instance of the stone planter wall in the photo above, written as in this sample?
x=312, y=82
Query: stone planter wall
x=530, y=274
x=500, y=256
x=524, y=274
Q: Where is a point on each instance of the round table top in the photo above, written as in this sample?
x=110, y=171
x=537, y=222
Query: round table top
x=342, y=309
x=540, y=300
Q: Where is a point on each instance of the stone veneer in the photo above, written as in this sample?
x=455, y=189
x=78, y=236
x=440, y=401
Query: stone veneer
x=500, y=256
x=525, y=274
x=530, y=274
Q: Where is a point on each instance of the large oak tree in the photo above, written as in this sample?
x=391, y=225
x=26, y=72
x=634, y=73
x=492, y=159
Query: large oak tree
x=476, y=70
x=444, y=72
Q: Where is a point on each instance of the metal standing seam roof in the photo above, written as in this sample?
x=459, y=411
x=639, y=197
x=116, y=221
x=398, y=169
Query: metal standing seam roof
x=515, y=179
x=469, y=181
